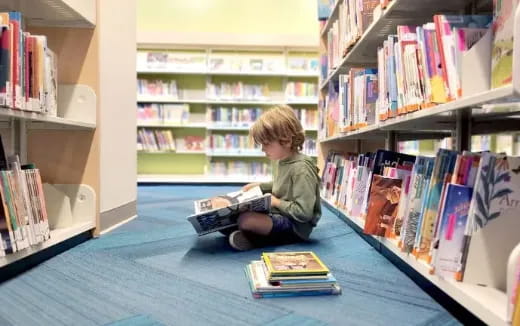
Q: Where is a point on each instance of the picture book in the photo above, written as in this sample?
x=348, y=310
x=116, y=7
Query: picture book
x=502, y=53
x=451, y=234
x=293, y=263
x=221, y=212
x=382, y=205
x=493, y=220
x=261, y=287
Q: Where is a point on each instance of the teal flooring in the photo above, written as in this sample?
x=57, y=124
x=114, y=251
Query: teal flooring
x=155, y=271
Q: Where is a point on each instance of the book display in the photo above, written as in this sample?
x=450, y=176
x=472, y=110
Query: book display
x=38, y=208
x=195, y=107
x=437, y=86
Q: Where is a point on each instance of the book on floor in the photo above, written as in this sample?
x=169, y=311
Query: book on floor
x=297, y=263
x=312, y=276
x=221, y=212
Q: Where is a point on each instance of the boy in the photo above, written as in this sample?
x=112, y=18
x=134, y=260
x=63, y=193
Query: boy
x=295, y=199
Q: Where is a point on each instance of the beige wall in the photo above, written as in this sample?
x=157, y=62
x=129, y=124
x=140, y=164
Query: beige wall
x=228, y=22
x=117, y=99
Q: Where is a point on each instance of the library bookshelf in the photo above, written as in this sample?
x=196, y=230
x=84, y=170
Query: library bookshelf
x=485, y=112
x=65, y=148
x=263, y=76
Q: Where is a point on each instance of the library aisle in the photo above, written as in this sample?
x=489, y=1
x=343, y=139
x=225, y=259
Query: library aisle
x=155, y=271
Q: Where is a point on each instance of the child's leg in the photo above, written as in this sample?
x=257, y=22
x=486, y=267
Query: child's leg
x=257, y=223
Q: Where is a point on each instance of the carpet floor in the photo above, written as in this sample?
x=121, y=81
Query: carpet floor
x=154, y=270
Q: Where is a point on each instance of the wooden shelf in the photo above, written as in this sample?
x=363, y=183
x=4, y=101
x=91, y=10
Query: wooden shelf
x=57, y=236
x=198, y=178
x=54, y=13
x=486, y=303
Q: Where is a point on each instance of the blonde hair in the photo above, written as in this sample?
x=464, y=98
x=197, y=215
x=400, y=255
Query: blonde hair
x=279, y=124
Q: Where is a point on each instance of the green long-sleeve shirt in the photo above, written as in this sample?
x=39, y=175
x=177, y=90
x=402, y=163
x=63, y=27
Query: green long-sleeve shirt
x=296, y=184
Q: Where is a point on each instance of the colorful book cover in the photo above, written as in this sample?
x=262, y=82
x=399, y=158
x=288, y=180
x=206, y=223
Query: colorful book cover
x=493, y=221
x=451, y=234
x=444, y=25
x=382, y=205
x=434, y=65
x=294, y=263
x=444, y=164
x=502, y=53
x=419, y=186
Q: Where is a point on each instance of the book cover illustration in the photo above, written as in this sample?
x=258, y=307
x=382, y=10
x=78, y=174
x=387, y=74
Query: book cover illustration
x=382, y=205
x=502, y=52
x=452, y=225
x=293, y=263
x=493, y=221
x=261, y=287
x=221, y=212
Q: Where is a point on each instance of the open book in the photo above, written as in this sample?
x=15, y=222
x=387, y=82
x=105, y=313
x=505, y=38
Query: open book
x=221, y=212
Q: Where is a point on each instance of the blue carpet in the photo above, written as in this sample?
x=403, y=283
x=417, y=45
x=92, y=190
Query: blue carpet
x=156, y=271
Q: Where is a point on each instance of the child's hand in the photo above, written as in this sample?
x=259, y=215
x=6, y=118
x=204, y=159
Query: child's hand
x=249, y=186
x=275, y=202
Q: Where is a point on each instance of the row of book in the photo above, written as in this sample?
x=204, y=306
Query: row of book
x=163, y=113
x=423, y=66
x=309, y=147
x=246, y=64
x=237, y=117
x=287, y=274
x=438, y=209
x=238, y=90
x=28, y=74
x=325, y=8
x=157, y=87
x=224, y=62
x=507, y=143
x=234, y=117
x=232, y=142
x=155, y=140
x=23, y=214
x=354, y=17
x=243, y=168
x=298, y=90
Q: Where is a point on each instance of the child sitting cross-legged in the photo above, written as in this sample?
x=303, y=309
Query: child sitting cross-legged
x=295, y=196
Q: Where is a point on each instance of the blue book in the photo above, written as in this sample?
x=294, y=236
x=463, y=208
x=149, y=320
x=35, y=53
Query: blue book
x=453, y=222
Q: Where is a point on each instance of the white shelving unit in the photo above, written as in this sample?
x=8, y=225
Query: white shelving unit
x=76, y=111
x=165, y=125
x=491, y=111
x=55, y=13
x=57, y=236
x=228, y=73
x=156, y=99
x=275, y=70
x=398, y=12
x=486, y=303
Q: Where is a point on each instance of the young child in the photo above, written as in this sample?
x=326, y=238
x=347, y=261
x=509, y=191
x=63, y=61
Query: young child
x=295, y=199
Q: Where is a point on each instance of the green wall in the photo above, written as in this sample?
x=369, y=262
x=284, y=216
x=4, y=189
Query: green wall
x=229, y=16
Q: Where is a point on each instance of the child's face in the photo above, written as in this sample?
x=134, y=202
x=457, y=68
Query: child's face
x=277, y=151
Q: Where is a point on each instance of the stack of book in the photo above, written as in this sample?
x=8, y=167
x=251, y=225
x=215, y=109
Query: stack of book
x=287, y=274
